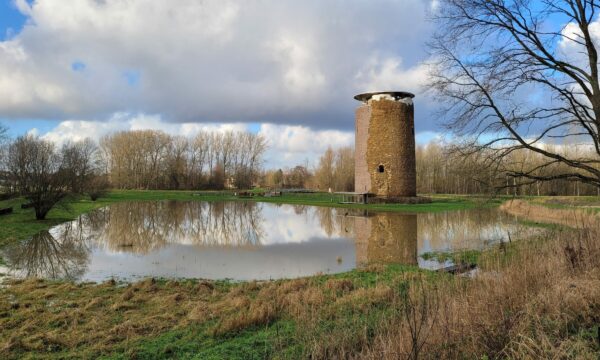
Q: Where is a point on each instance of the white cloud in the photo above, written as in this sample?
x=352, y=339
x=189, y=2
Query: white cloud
x=227, y=61
x=76, y=130
x=294, y=145
x=390, y=74
x=289, y=145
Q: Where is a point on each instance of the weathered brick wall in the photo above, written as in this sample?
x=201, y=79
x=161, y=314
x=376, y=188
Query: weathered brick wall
x=390, y=141
x=386, y=238
x=362, y=178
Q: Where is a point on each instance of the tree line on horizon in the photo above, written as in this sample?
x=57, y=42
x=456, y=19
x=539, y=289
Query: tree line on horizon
x=446, y=168
x=45, y=173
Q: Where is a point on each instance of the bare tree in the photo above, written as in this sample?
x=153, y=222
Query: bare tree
x=3, y=142
x=43, y=255
x=3, y=134
x=492, y=55
x=80, y=163
x=344, y=169
x=324, y=173
x=36, y=170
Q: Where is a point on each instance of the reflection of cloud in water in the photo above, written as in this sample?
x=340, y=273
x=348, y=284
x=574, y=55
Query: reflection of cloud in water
x=283, y=226
x=268, y=262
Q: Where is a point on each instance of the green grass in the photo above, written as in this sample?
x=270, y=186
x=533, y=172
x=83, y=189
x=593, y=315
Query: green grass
x=194, y=343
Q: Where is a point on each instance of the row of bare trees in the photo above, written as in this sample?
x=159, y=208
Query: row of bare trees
x=334, y=171
x=44, y=173
x=150, y=159
x=458, y=169
x=446, y=168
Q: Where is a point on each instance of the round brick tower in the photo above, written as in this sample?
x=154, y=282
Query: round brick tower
x=385, y=163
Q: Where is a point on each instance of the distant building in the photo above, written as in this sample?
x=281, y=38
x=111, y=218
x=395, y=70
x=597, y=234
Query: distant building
x=385, y=163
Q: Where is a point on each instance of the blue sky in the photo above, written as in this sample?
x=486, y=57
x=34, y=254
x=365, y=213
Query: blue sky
x=11, y=23
x=11, y=20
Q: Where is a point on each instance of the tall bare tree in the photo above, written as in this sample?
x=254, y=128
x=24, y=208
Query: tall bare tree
x=324, y=175
x=5, y=190
x=344, y=169
x=3, y=142
x=519, y=75
x=3, y=134
x=80, y=163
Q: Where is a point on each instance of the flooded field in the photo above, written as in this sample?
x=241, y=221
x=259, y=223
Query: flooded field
x=245, y=241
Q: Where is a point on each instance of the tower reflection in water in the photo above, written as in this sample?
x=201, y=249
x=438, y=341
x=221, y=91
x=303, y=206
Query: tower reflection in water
x=386, y=238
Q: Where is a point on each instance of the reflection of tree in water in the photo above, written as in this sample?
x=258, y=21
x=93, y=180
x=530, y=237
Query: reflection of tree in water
x=335, y=221
x=143, y=226
x=463, y=228
x=63, y=256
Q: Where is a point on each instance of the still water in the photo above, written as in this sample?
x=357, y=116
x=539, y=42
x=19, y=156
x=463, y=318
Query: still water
x=245, y=240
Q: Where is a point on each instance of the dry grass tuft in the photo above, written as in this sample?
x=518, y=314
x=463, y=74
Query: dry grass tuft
x=127, y=295
x=199, y=313
x=341, y=285
x=255, y=314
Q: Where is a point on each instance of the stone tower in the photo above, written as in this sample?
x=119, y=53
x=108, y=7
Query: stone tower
x=385, y=164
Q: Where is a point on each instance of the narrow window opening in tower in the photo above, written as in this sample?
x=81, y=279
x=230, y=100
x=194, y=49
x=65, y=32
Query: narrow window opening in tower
x=380, y=169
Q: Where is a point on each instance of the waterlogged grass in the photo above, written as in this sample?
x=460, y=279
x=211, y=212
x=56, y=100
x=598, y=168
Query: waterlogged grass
x=542, y=225
x=22, y=223
x=328, y=316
